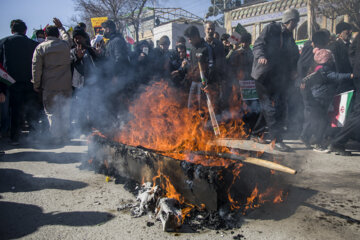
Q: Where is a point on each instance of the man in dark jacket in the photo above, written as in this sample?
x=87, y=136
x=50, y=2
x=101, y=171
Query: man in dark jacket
x=16, y=53
x=200, y=52
x=352, y=124
x=218, y=53
x=116, y=52
x=340, y=49
x=275, y=57
x=116, y=69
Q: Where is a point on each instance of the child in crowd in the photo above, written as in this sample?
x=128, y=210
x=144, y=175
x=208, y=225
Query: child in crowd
x=320, y=87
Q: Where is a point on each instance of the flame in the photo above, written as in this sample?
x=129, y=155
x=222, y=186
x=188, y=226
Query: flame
x=234, y=204
x=161, y=121
x=280, y=197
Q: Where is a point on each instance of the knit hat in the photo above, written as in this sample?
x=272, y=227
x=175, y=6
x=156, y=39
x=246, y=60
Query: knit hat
x=322, y=56
x=164, y=40
x=79, y=31
x=342, y=26
x=109, y=24
x=291, y=14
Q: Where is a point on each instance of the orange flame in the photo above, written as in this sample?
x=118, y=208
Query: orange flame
x=163, y=123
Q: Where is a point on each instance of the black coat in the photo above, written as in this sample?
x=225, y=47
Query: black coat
x=340, y=51
x=306, y=60
x=277, y=45
x=16, y=54
x=324, y=82
x=206, y=60
x=117, y=55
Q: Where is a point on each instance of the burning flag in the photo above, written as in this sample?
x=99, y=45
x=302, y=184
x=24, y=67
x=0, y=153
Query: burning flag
x=341, y=103
x=5, y=77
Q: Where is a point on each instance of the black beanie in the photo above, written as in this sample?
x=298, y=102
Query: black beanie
x=342, y=26
x=79, y=31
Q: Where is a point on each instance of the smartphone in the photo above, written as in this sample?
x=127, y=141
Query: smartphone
x=145, y=50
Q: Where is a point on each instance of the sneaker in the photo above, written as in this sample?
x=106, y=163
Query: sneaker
x=339, y=151
x=258, y=140
x=320, y=149
x=282, y=147
x=306, y=143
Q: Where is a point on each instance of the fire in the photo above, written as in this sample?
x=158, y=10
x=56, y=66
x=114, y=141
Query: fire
x=161, y=121
x=280, y=197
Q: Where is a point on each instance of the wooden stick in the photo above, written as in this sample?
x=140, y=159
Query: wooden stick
x=251, y=160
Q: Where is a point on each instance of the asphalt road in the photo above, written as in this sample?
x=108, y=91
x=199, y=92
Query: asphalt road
x=45, y=195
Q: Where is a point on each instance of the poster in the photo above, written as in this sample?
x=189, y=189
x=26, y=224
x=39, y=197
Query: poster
x=96, y=24
x=248, y=89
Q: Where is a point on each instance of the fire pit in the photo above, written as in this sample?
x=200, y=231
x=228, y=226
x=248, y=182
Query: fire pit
x=171, y=148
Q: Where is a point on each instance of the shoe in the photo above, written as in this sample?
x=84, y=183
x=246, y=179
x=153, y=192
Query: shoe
x=339, y=150
x=258, y=140
x=320, y=149
x=282, y=147
x=306, y=143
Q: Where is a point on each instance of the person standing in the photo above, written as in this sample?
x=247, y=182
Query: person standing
x=275, y=58
x=352, y=124
x=201, y=53
x=218, y=75
x=16, y=53
x=340, y=49
x=51, y=73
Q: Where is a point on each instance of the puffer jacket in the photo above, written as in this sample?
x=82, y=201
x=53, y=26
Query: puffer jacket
x=324, y=82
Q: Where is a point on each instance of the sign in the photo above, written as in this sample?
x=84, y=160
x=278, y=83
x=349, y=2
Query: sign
x=248, y=90
x=96, y=24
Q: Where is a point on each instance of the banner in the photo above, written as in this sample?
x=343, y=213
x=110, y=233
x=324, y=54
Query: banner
x=128, y=36
x=341, y=104
x=96, y=24
x=248, y=90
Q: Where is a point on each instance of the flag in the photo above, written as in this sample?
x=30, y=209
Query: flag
x=128, y=36
x=5, y=77
x=341, y=103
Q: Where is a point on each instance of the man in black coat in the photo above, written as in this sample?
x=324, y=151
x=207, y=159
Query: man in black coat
x=16, y=53
x=351, y=128
x=116, y=69
x=116, y=52
x=200, y=52
x=340, y=49
x=275, y=58
x=219, y=81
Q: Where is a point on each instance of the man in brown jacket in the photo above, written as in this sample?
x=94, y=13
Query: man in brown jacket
x=52, y=77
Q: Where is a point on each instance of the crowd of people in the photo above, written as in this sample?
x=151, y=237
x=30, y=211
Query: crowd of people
x=62, y=79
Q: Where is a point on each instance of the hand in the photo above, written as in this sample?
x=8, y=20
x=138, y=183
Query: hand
x=352, y=76
x=262, y=60
x=2, y=97
x=175, y=73
x=141, y=56
x=184, y=63
x=37, y=90
x=57, y=22
x=79, y=51
x=302, y=86
x=205, y=88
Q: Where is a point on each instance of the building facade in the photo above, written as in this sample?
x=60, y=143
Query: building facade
x=255, y=17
